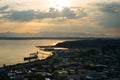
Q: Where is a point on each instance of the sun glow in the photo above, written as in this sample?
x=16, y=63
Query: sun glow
x=59, y=4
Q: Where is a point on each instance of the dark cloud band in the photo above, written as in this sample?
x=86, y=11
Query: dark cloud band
x=29, y=15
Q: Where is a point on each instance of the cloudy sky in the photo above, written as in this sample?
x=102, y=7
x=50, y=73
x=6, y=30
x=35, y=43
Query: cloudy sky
x=77, y=18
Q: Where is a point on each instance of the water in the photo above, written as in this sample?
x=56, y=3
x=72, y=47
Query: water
x=13, y=51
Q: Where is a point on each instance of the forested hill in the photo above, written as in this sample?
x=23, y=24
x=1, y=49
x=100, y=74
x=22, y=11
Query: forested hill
x=98, y=43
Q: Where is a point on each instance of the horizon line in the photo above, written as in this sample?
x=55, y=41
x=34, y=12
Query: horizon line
x=37, y=38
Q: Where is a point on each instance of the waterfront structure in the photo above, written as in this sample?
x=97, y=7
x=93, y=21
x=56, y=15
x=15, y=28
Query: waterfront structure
x=33, y=56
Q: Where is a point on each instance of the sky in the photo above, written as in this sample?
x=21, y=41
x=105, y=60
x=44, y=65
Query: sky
x=66, y=18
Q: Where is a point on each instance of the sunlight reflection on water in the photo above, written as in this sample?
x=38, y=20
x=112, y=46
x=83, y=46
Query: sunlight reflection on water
x=13, y=51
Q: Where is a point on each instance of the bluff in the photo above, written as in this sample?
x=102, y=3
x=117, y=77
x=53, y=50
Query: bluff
x=93, y=43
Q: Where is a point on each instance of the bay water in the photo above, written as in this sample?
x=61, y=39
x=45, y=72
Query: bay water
x=14, y=51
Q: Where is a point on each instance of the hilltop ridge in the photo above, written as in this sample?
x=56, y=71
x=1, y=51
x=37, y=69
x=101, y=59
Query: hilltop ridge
x=90, y=43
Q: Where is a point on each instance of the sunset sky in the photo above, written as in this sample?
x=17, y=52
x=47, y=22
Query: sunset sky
x=77, y=18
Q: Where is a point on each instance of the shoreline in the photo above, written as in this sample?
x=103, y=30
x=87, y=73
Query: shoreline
x=73, y=43
x=72, y=62
x=24, y=64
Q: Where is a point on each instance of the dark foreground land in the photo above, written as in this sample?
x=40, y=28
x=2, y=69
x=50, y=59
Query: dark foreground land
x=87, y=59
x=90, y=43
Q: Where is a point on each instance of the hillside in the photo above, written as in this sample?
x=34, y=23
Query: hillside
x=90, y=43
